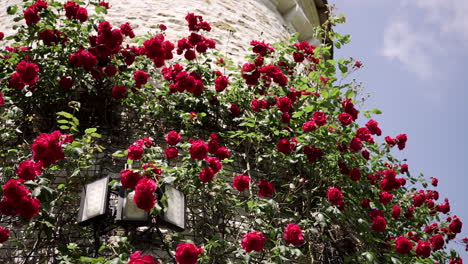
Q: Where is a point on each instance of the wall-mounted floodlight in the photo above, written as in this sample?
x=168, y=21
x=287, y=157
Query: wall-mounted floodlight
x=174, y=216
x=93, y=201
x=127, y=210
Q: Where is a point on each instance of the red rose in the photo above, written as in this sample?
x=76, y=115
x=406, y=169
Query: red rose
x=418, y=200
x=396, y=211
x=355, y=174
x=8, y=207
x=70, y=9
x=221, y=83
x=28, y=170
x=2, y=35
x=285, y=118
x=215, y=164
x=118, y=92
x=66, y=83
x=379, y=224
x=284, y=146
x=345, y=119
x=28, y=207
x=206, y=175
x=403, y=245
x=261, y=48
x=284, y=104
x=4, y=234
x=355, y=145
x=144, y=194
x=104, y=4
x=390, y=141
x=434, y=182
x=27, y=72
x=135, y=152
x=253, y=241
x=15, y=81
x=320, y=118
x=373, y=127
x=47, y=148
x=198, y=150
x=410, y=212
x=222, y=153
x=293, y=234
x=437, y=242
x=312, y=153
x=235, y=110
x=31, y=16
x=365, y=154
x=404, y=168
x=364, y=134
x=150, y=167
x=129, y=179
x=401, y=141
x=172, y=138
x=365, y=203
x=140, y=77
x=385, y=197
x=334, y=195
x=127, y=30
x=110, y=70
x=241, y=182
x=423, y=249
x=456, y=225
x=138, y=258
x=265, y=188
x=309, y=126
x=82, y=14
x=187, y=253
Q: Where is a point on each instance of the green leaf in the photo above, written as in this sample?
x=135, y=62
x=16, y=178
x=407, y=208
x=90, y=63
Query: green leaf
x=65, y=114
x=64, y=127
x=11, y=10
x=298, y=114
x=62, y=121
x=90, y=130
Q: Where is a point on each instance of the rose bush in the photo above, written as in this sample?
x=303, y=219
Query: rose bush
x=276, y=145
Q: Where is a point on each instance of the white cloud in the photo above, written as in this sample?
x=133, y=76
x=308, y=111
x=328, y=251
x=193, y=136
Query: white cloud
x=412, y=49
x=424, y=33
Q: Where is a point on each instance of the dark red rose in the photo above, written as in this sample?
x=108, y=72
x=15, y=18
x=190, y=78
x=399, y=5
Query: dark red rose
x=409, y=212
x=434, y=182
x=284, y=104
x=162, y=27
x=15, y=189
x=66, y=83
x=221, y=83
x=309, y=126
x=284, y=146
x=241, y=182
x=365, y=203
x=222, y=153
x=28, y=207
x=404, y=168
x=385, y=197
x=390, y=141
x=187, y=253
x=28, y=170
x=253, y=241
x=320, y=118
x=150, y=167
x=379, y=224
x=110, y=70
x=285, y=118
x=135, y=152
x=2, y=35
x=127, y=30
x=265, y=188
x=355, y=174
x=140, y=77
x=190, y=54
x=456, y=225
x=437, y=242
x=4, y=234
x=298, y=57
x=173, y=138
x=334, y=195
x=214, y=163
x=235, y=110
x=70, y=9
x=345, y=119
x=423, y=249
x=198, y=150
x=418, y=200
x=355, y=145
x=293, y=234
x=373, y=127
x=82, y=14
x=47, y=148
x=206, y=175
x=364, y=134
x=261, y=48
x=401, y=141
x=403, y=245
x=8, y=207
x=138, y=258
x=31, y=15
x=144, y=194
x=365, y=154
x=15, y=81
x=119, y=92
x=27, y=72
x=129, y=179
x=312, y=153
x=396, y=211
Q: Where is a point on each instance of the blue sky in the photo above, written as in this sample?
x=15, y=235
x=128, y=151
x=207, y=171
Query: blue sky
x=415, y=54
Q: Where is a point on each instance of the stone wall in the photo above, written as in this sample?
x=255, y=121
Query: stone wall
x=245, y=20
